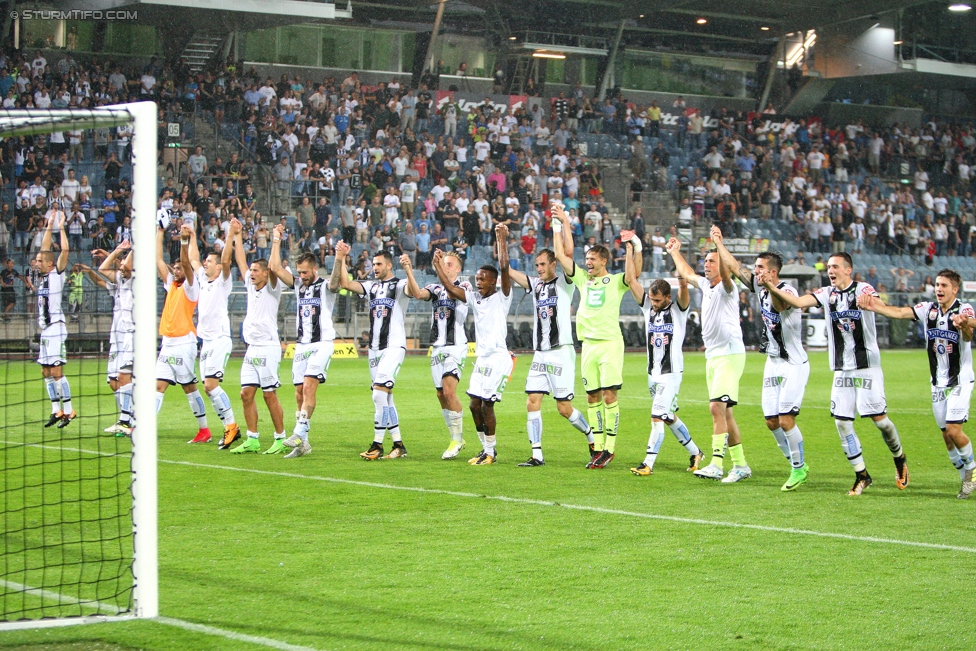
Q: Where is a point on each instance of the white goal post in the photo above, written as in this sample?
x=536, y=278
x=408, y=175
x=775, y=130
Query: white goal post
x=142, y=116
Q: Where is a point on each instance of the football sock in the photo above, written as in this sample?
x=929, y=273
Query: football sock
x=680, y=431
x=738, y=455
x=611, y=413
x=654, y=442
x=380, y=413
x=159, y=401
x=198, y=408
x=780, y=437
x=65, y=392
x=252, y=435
x=118, y=402
x=718, y=449
x=966, y=455
x=594, y=411
x=221, y=404
x=302, y=425
x=490, y=445
x=456, y=425
x=280, y=436
x=576, y=420
x=890, y=435
x=794, y=439
x=850, y=443
x=52, y=392
x=956, y=460
x=393, y=419
x=481, y=437
x=534, y=428
x=446, y=413
x=125, y=403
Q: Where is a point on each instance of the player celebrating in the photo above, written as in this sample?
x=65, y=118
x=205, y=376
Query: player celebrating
x=387, y=344
x=787, y=369
x=213, y=327
x=665, y=322
x=314, y=339
x=115, y=275
x=50, y=320
x=949, y=327
x=263, y=354
x=553, y=367
x=725, y=359
x=449, y=343
x=856, y=362
x=598, y=327
x=494, y=363
x=177, y=357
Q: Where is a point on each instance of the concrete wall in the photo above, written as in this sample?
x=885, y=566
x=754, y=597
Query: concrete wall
x=856, y=48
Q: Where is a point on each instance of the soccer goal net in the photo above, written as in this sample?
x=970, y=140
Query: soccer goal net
x=77, y=349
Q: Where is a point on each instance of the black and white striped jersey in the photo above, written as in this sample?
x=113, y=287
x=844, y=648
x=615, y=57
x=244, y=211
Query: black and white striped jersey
x=387, y=307
x=448, y=315
x=50, y=288
x=665, y=337
x=782, y=334
x=552, y=302
x=851, y=334
x=950, y=356
x=315, y=303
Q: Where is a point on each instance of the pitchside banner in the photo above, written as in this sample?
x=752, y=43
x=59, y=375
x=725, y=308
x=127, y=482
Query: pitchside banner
x=775, y=123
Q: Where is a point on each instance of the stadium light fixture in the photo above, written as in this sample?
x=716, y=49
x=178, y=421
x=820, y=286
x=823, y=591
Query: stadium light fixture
x=898, y=42
x=701, y=21
x=764, y=28
x=512, y=38
x=959, y=7
x=539, y=54
x=641, y=16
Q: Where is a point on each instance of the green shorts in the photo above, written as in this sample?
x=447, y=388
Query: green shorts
x=722, y=375
x=602, y=365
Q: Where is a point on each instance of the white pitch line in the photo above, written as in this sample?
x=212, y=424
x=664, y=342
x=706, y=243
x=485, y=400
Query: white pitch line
x=590, y=509
x=231, y=635
x=575, y=507
x=169, y=621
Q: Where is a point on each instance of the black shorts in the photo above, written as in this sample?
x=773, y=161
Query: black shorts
x=8, y=297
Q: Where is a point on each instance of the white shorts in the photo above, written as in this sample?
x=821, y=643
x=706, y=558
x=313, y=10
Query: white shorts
x=783, y=387
x=553, y=371
x=490, y=375
x=447, y=360
x=121, y=354
x=176, y=363
x=52, y=352
x=951, y=405
x=664, y=390
x=260, y=367
x=311, y=360
x=384, y=365
x=214, y=356
x=862, y=390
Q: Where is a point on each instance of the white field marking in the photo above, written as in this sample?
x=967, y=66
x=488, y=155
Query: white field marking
x=169, y=621
x=696, y=401
x=575, y=507
x=231, y=635
x=590, y=509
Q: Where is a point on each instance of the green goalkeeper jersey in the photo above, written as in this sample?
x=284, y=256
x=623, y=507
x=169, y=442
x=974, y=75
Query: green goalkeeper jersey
x=598, y=316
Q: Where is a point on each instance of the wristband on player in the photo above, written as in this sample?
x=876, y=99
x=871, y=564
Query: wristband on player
x=638, y=247
x=276, y=239
x=557, y=225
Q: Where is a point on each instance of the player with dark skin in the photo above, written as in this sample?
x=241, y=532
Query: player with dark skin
x=482, y=411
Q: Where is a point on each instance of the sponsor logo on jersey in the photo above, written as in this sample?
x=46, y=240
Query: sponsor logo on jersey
x=382, y=302
x=661, y=327
x=171, y=360
x=773, y=382
x=256, y=361
x=937, y=333
x=483, y=370
x=314, y=302
x=596, y=297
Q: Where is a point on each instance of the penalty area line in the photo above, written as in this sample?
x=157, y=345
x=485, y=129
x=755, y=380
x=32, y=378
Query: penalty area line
x=589, y=509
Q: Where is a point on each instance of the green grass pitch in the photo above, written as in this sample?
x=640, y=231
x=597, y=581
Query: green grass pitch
x=331, y=552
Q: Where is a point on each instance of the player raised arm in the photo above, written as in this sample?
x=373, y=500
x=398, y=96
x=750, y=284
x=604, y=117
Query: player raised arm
x=876, y=305
x=501, y=241
x=684, y=297
x=562, y=239
x=631, y=272
x=238, y=243
x=342, y=250
x=107, y=268
x=519, y=278
x=186, y=238
x=161, y=267
x=807, y=300
x=225, y=259
x=681, y=266
x=274, y=260
x=413, y=289
x=95, y=276
x=728, y=260
x=452, y=290
x=194, y=252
